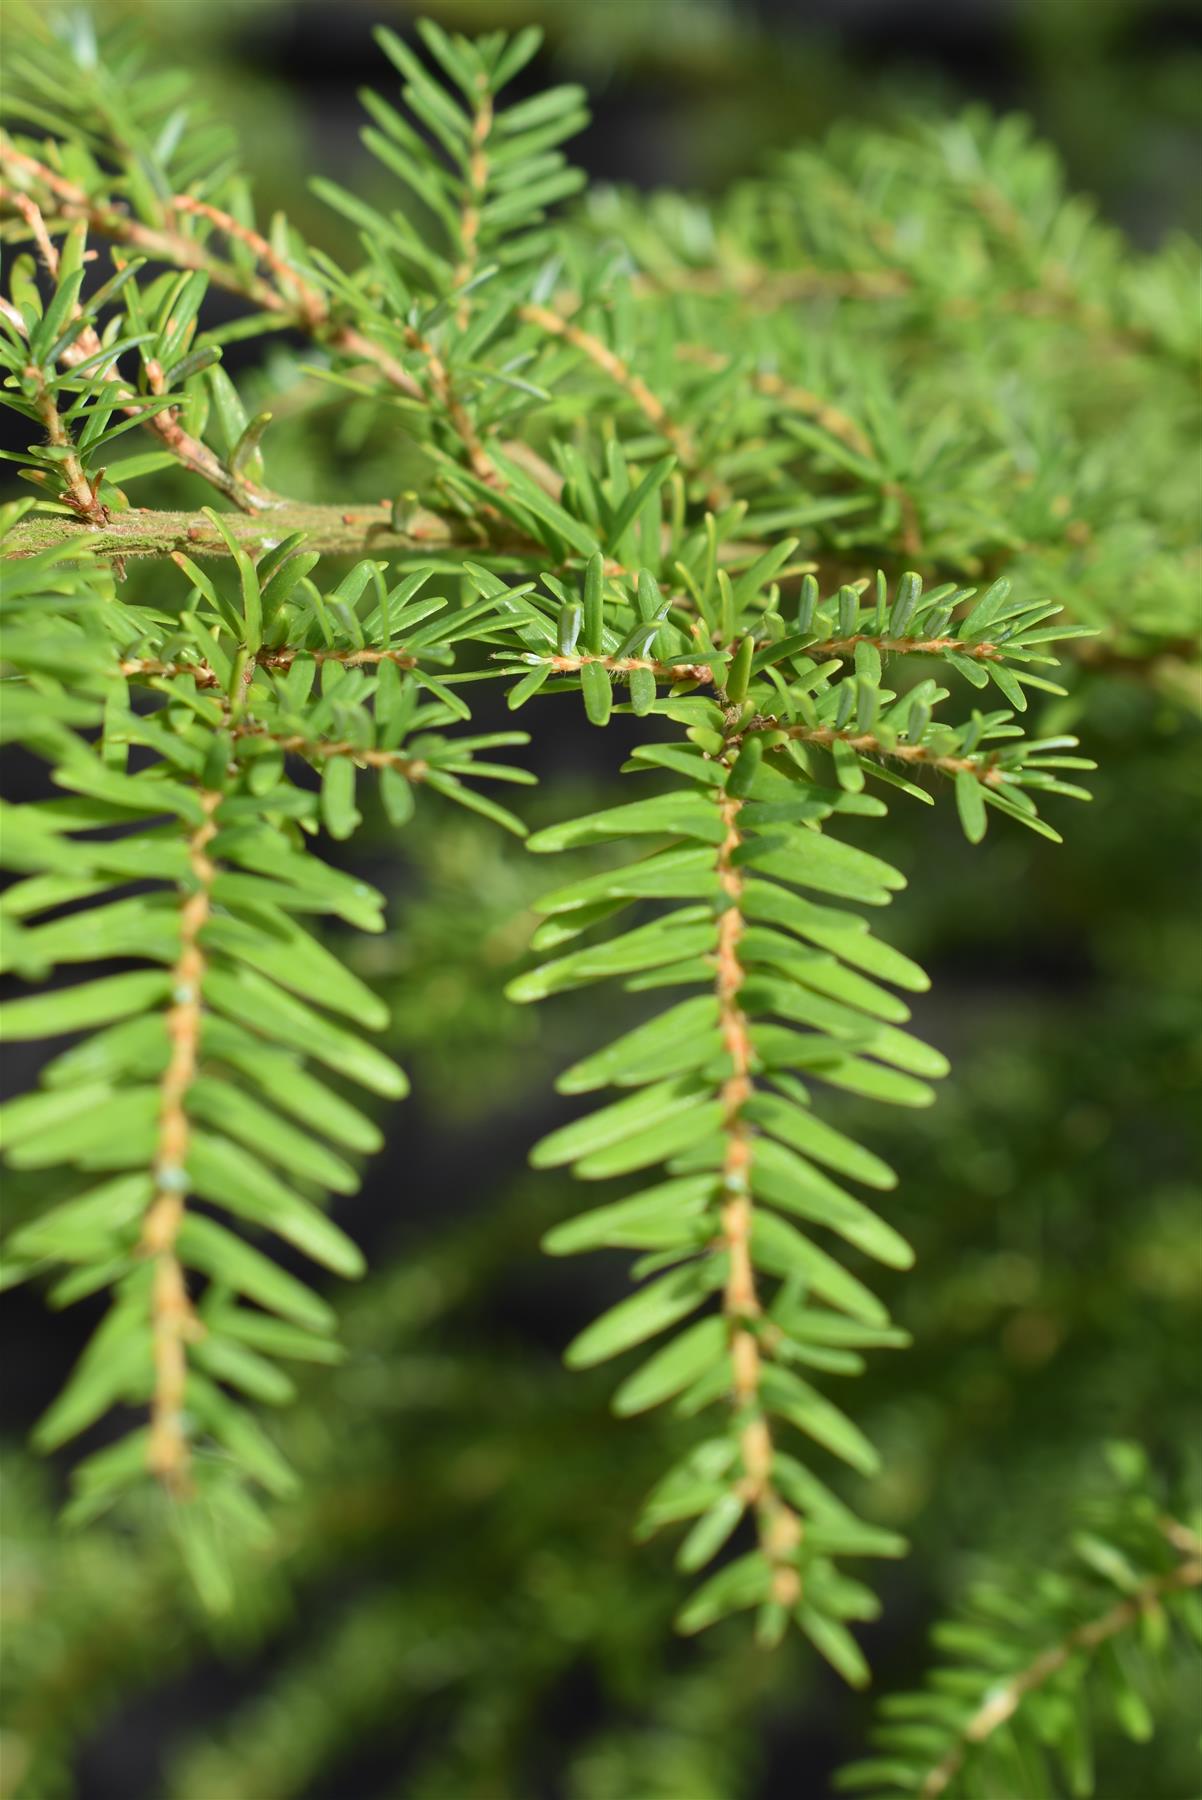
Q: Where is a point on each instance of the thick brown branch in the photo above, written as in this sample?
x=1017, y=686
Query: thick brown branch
x=623, y=665
x=354, y=530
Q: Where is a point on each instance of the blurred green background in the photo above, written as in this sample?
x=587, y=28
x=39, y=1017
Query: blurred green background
x=455, y=1610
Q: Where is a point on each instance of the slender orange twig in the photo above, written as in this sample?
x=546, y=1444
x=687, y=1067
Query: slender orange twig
x=779, y=1525
x=619, y=371
x=477, y=177
x=173, y=1320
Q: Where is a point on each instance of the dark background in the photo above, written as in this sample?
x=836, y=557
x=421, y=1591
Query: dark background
x=461, y=1613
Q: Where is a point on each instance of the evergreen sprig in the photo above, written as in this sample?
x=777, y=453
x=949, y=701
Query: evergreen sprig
x=206, y=1074
x=795, y=723
x=1029, y=1669
x=609, y=500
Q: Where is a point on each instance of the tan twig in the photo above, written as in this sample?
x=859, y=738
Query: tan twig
x=173, y=1321
x=309, y=302
x=282, y=658
x=162, y=422
x=164, y=244
x=832, y=419
x=867, y=743
x=37, y=228
x=286, y=655
x=623, y=665
x=80, y=494
x=309, y=310
x=779, y=1526
x=413, y=768
x=311, y=315
x=894, y=646
x=312, y=311
x=443, y=389
x=766, y=290
x=910, y=535
x=798, y=399
x=149, y=668
x=1185, y=1541
x=477, y=176
x=161, y=245
x=619, y=371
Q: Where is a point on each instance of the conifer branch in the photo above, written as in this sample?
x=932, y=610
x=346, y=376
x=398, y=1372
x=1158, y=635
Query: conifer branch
x=572, y=549
x=283, y=657
x=163, y=243
x=81, y=494
x=290, y=286
x=1004, y=1700
x=162, y=422
x=765, y=289
x=160, y=243
x=249, y=496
